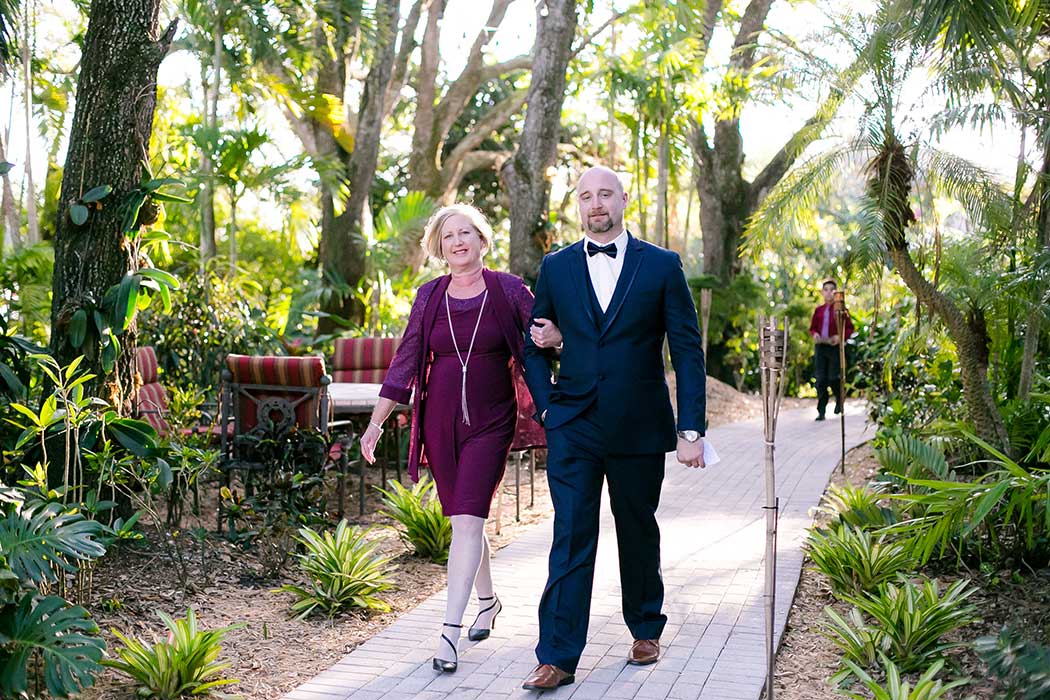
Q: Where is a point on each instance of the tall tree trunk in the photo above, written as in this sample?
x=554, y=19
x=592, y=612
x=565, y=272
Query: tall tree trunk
x=890, y=177
x=525, y=175
x=32, y=219
x=231, y=232
x=8, y=213
x=663, y=228
x=343, y=241
x=971, y=342
x=108, y=142
x=208, y=248
x=1035, y=316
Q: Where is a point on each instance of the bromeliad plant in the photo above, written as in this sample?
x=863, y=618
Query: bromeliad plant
x=855, y=560
x=427, y=530
x=344, y=572
x=857, y=507
x=185, y=664
x=926, y=687
x=903, y=622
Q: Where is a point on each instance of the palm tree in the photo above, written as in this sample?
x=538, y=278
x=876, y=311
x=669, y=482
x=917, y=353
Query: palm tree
x=896, y=159
x=999, y=46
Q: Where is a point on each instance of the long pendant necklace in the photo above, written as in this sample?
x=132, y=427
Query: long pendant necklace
x=459, y=356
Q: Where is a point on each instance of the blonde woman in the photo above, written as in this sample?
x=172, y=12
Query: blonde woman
x=464, y=330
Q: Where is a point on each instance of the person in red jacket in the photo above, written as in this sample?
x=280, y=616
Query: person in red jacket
x=825, y=334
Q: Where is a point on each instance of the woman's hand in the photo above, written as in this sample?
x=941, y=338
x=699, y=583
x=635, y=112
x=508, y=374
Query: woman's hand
x=544, y=333
x=369, y=441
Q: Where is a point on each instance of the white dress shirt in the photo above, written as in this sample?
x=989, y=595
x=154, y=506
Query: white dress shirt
x=604, y=270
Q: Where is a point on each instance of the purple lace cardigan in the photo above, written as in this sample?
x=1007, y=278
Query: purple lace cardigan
x=512, y=301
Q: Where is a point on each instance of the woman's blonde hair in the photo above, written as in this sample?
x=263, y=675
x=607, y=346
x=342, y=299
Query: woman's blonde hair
x=432, y=233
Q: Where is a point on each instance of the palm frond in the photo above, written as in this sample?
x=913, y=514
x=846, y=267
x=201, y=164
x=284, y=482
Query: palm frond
x=790, y=207
x=981, y=195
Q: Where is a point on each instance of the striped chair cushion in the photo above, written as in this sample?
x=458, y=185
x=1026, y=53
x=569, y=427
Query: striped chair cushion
x=251, y=373
x=151, y=403
x=363, y=360
x=146, y=363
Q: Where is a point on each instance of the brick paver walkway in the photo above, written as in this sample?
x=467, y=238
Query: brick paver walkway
x=713, y=529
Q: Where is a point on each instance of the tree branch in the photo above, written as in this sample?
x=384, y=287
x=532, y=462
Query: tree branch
x=408, y=45
x=493, y=119
x=594, y=35
x=495, y=70
x=464, y=87
x=746, y=42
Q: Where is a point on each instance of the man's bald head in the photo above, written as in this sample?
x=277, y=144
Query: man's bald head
x=601, y=174
x=602, y=201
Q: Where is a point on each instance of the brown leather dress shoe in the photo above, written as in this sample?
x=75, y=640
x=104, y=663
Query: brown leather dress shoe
x=547, y=677
x=644, y=652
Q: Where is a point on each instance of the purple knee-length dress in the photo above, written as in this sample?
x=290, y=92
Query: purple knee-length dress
x=467, y=461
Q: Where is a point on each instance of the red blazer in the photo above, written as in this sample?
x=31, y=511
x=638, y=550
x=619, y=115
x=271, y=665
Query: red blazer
x=818, y=321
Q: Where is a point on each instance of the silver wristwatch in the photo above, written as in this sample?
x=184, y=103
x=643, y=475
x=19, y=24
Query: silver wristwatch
x=689, y=435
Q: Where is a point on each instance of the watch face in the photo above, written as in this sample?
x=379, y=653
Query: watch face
x=689, y=435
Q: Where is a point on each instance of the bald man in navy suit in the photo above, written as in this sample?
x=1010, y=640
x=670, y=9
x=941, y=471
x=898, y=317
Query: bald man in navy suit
x=608, y=416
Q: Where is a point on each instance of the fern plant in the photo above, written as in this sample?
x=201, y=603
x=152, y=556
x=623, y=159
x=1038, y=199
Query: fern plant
x=426, y=529
x=185, y=664
x=912, y=621
x=344, y=572
x=856, y=561
x=926, y=687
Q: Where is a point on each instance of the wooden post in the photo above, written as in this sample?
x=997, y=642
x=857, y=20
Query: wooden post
x=772, y=350
x=840, y=318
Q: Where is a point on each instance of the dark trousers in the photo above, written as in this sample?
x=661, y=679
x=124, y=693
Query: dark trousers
x=827, y=371
x=577, y=463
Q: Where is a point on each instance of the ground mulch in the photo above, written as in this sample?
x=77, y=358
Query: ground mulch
x=806, y=659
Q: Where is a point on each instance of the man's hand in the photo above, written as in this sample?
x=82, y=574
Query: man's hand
x=544, y=333
x=691, y=454
x=833, y=340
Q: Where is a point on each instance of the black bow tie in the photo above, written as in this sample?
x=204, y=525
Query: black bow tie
x=593, y=250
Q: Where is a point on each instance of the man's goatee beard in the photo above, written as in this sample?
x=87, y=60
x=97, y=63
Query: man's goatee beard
x=598, y=227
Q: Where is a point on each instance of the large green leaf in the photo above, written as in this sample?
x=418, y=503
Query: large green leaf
x=138, y=437
x=62, y=635
x=34, y=539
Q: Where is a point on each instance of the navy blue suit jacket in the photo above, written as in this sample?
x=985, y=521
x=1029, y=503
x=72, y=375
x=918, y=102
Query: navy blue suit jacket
x=619, y=363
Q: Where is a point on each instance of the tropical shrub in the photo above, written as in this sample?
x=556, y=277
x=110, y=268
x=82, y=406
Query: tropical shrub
x=1022, y=666
x=926, y=687
x=46, y=628
x=44, y=641
x=185, y=664
x=856, y=560
x=426, y=529
x=1004, y=512
x=344, y=572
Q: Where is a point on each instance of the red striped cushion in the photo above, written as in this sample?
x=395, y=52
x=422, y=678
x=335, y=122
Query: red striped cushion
x=152, y=406
x=146, y=363
x=269, y=370
x=364, y=360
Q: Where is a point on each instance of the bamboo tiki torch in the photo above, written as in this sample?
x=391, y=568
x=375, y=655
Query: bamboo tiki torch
x=840, y=319
x=772, y=348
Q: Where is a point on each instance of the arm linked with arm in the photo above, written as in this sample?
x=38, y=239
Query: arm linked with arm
x=538, y=360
